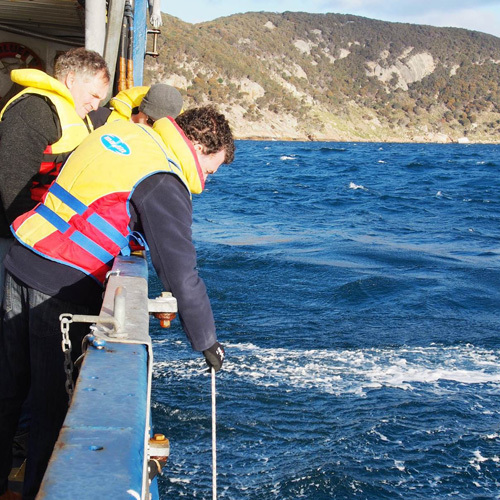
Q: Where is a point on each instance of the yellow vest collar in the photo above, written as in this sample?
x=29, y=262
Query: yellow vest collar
x=40, y=80
x=175, y=140
x=125, y=101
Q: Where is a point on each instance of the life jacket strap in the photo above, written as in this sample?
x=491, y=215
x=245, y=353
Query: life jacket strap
x=95, y=219
x=101, y=224
x=136, y=238
x=79, y=238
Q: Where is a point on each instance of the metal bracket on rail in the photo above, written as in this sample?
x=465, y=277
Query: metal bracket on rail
x=163, y=308
x=111, y=325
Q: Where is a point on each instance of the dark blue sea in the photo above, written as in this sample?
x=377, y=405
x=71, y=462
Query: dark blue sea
x=356, y=288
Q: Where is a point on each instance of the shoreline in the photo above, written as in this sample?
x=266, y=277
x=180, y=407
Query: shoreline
x=381, y=141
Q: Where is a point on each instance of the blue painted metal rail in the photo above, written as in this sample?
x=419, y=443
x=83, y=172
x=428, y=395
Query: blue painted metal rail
x=102, y=450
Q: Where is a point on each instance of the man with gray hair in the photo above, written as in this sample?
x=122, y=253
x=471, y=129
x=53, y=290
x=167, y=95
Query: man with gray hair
x=40, y=127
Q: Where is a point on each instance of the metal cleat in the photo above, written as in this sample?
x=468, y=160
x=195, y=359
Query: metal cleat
x=158, y=452
x=163, y=308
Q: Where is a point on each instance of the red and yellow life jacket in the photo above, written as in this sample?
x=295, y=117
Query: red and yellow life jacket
x=73, y=128
x=84, y=220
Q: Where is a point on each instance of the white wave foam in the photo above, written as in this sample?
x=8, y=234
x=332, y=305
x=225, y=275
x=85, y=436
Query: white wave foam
x=286, y=157
x=440, y=194
x=178, y=480
x=356, y=186
x=400, y=465
x=495, y=435
x=354, y=371
x=479, y=459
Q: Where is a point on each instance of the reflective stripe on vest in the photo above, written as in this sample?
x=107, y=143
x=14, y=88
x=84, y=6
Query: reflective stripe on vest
x=102, y=225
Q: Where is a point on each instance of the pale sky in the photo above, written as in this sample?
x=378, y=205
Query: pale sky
x=479, y=15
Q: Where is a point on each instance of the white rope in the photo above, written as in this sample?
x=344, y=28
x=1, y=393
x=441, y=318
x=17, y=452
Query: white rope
x=214, y=441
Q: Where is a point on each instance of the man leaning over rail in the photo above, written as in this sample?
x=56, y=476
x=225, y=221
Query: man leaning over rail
x=124, y=178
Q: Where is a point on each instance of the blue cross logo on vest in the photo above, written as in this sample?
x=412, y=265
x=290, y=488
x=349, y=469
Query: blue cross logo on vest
x=115, y=144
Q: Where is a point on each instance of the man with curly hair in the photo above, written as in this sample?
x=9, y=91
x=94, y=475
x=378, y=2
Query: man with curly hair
x=124, y=179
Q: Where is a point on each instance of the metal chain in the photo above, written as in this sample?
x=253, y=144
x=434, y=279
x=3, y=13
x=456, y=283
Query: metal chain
x=66, y=320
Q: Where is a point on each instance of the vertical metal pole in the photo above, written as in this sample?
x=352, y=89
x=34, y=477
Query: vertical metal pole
x=214, y=441
x=95, y=25
x=140, y=39
x=116, y=9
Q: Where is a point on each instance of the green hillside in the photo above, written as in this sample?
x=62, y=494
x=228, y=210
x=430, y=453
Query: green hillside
x=337, y=77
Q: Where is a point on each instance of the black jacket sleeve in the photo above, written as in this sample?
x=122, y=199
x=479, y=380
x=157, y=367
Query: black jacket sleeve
x=161, y=210
x=99, y=117
x=25, y=131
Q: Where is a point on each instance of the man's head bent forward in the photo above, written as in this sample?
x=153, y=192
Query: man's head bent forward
x=211, y=135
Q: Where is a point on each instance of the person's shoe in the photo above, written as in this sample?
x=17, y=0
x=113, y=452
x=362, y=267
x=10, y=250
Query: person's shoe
x=10, y=495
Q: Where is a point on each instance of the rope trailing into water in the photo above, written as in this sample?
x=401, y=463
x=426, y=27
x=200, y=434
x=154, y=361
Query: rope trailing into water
x=214, y=441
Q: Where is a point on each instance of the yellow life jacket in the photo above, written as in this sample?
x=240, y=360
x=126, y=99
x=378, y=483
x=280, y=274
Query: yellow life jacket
x=73, y=128
x=84, y=220
x=125, y=101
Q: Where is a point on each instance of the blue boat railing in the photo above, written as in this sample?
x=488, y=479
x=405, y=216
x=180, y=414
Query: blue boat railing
x=103, y=450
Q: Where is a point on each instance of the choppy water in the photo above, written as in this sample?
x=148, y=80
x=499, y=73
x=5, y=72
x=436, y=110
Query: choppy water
x=357, y=290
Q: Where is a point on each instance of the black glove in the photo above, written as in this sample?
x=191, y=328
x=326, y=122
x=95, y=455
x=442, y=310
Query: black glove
x=214, y=356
